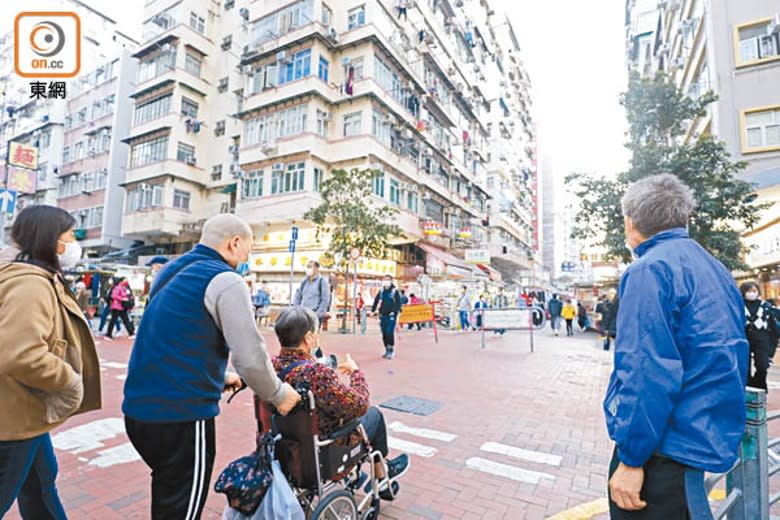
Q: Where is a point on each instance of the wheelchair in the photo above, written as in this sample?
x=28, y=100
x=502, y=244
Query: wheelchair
x=315, y=465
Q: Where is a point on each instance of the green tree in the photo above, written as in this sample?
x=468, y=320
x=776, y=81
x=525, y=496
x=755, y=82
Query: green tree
x=659, y=115
x=350, y=219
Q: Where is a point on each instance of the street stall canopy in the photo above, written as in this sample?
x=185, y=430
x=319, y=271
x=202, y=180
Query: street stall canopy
x=441, y=263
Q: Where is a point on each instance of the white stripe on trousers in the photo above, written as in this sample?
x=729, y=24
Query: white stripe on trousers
x=197, y=472
x=203, y=463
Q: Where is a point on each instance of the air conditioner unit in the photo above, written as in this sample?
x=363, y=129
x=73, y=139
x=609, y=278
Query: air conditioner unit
x=190, y=160
x=269, y=149
x=244, y=13
x=233, y=148
x=333, y=35
x=278, y=166
x=774, y=27
x=143, y=186
x=389, y=119
x=282, y=57
x=227, y=41
x=328, y=116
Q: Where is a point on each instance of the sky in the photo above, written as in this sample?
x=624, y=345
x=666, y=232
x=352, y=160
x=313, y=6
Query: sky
x=574, y=53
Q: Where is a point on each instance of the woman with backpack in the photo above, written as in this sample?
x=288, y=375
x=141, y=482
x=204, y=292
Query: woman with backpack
x=122, y=302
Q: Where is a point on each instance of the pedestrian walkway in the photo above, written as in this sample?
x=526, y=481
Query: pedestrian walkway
x=520, y=435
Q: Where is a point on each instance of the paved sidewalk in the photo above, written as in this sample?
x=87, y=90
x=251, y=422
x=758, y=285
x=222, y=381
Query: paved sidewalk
x=520, y=435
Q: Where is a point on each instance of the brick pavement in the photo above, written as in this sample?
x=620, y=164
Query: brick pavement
x=547, y=403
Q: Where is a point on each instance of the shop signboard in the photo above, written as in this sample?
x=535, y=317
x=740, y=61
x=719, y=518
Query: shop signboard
x=477, y=256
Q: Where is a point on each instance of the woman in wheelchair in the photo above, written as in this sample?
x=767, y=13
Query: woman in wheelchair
x=336, y=403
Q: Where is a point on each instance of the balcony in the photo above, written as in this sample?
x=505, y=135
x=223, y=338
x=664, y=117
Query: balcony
x=169, y=120
x=155, y=222
x=289, y=91
x=277, y=208
x=178, y=169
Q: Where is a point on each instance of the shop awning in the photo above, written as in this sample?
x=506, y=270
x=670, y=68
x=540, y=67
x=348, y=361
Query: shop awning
x=494, y=275
x=444, y=256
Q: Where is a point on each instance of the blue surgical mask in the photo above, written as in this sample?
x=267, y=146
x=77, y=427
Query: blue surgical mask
x=242, y=268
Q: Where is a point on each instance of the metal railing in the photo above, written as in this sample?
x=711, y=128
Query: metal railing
x=747, y=483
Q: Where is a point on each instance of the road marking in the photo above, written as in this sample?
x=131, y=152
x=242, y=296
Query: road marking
x=519, y=453
x=112, y=364
x=584, y=511
x=122, y=454
x=507, y=471
x=88, y=436
x=410, y=447
x=435, y=435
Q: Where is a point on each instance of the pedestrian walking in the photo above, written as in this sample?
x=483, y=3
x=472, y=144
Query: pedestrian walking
x=555, y=308
x=198, y=315
x=675, y=406
x=105, y=301
x=314, y=294
x=388, y=301
x=49, y=369
x=464, y=309
x=262, y=303
x=569, y=312
x=479, y=311
x=122, y=302
x=582, y=317
x=82, y=298
x=156, y=264
x=360, y=304
x=762, y=334
x=501, y=301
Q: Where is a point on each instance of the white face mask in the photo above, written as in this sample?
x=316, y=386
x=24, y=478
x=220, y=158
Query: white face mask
x=387, y=284
x=70, y=257
x=751, y=296
x=309, y=271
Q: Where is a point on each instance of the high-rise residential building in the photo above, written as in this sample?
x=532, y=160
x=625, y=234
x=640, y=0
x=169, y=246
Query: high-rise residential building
x=40, y=122
x=247, y=107
x=733, y=49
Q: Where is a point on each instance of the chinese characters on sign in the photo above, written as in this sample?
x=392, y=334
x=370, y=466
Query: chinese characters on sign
x=21, y=180
x=56, y=90
x=22, y=155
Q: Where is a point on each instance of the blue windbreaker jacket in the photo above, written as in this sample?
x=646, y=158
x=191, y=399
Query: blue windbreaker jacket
x=678, y=384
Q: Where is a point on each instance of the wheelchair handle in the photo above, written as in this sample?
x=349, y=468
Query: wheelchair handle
x=243, y=387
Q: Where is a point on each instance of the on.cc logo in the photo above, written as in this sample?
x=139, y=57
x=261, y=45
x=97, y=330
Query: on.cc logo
x=47, y=39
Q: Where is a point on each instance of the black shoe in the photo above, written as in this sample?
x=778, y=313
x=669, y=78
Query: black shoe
x=397, y=466
x=385, y=493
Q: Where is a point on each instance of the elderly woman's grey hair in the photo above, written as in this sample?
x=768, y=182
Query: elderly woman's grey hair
x=658, y=203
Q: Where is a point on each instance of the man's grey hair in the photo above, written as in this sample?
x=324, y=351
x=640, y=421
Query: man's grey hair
x=221, y=228
x=658, y=203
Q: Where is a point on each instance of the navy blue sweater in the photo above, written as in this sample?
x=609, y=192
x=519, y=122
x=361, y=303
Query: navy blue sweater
x=177, y=367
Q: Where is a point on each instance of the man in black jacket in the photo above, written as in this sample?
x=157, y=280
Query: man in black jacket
x=388, y=300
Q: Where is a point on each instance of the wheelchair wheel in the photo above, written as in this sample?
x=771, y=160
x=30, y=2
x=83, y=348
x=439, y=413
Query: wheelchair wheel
x=339, y=505
x=372, y=512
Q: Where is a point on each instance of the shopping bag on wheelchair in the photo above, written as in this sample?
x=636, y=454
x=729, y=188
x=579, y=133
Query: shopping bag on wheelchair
x=245, y=481
x=279, y=503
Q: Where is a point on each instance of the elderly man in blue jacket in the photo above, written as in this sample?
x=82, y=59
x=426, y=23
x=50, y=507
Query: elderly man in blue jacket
x=675, y=406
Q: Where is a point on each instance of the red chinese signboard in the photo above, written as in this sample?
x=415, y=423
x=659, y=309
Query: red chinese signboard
x=22, y=155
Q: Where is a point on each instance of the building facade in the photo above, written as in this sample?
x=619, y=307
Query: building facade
x=733, y=49
x=51, y=125
x=246, y=107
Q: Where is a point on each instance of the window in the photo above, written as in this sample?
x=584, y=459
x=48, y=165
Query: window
x=762, y=130
x=144, y=197
x=197, y=23
x=192, y=64
x=757, y=43
x=189, y=107
x=270, y=127
x=289, y=180
x=89, y=218
x=185, y=153
x=357, y=68
x=381, y=128
x=148, y=152
x=160, y=64
x=44, y=141
x=297, y=68
x=220, y=128
x=322, y=72
x=395, y=192
x=352, y=124
x=356, y=17
x=282, y=21
x=216, y=172
x=229, y=4
x=327, y=15
x=253, y=184
x=390, y=81
x=66, y=154
x=379, y=184
x=318, y=176
x=323, y=118
x=412, y=202
x=181, y=199
x=153, y=109
x=222, y=85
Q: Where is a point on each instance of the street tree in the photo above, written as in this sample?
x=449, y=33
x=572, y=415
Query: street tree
x=350, y=219
x=659, y=115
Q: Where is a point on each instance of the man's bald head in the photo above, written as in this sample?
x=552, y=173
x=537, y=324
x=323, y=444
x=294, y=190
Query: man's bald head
x=217, y=231
x=230, y=236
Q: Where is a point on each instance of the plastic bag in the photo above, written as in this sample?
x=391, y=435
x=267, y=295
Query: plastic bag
x=279, y=503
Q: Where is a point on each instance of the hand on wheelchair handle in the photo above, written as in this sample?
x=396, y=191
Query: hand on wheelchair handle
x=291, y=398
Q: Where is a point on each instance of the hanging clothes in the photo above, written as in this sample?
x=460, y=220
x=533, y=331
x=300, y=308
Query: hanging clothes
x=350, y=80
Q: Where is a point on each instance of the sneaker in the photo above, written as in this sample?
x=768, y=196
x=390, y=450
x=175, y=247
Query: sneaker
x=398, y=466
x=390, y=355
x=384, y=356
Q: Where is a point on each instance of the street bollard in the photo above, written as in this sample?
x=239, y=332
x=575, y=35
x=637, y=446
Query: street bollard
x=750, y=478
x=363, y=321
